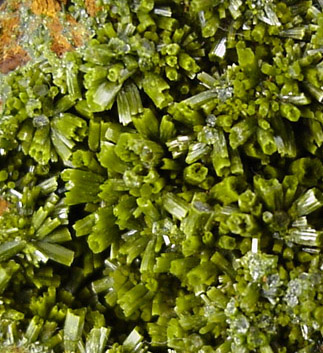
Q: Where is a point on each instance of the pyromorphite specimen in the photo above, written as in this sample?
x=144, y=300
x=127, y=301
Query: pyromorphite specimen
x=161, y=186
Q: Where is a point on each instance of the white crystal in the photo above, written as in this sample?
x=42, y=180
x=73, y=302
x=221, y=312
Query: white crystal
x=254, y=245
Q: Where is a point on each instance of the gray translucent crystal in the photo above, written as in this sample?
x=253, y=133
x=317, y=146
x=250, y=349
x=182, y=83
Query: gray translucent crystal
x=304, y=330
x=295, y=33
x=273, y=280
x=166, y=240
x=209, y=310
x=271, y=288
x=259, y=265
x=293, y=292
x=40, y=121
x=220, y=48
x=202, y=207
x=211, y=120
x=240, y=325
x=298, y=288
x=163, y=11
x=300, y=99
x=163, y=227
x=231, y=308
x=202, y=20
x=225, y=93
x=271, y=16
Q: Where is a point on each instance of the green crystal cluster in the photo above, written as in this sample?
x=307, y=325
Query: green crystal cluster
x=162, y=185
